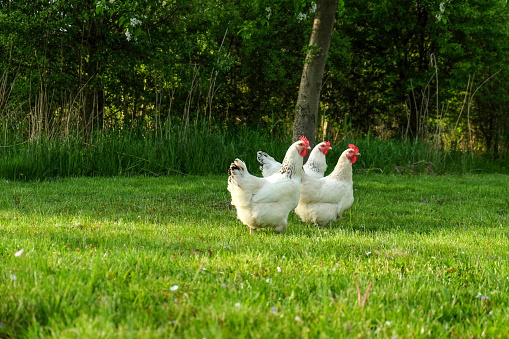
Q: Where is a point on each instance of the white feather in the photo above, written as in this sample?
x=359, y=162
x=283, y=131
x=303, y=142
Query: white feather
x=314, y=167
x=324, y=200
x=266, y=202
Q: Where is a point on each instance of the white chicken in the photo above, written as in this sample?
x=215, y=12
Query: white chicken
x=324, y=200
x=266, y=202
x=314, y=167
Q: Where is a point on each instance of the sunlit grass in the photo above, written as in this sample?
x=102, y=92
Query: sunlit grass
x=166, y=257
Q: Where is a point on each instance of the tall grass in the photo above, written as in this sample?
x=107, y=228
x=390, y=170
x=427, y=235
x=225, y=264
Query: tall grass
x=197, y=149
x=201, y=149
x=410, y=157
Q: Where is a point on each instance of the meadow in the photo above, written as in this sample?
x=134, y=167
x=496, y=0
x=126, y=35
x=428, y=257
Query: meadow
x=148, y=257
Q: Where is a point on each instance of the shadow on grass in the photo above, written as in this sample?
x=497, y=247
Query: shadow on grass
x=78, y=206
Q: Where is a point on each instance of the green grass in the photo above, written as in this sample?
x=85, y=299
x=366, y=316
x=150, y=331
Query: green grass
x=100, y=257
x=202, y=150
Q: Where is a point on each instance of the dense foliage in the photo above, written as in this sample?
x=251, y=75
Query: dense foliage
x=412, y=69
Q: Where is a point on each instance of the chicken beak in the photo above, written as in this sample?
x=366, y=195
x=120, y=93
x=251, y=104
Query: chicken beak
x=309, y=147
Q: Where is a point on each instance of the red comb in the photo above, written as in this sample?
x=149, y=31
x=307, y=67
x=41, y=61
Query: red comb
x=325, y=149
x=352, y=146
x=306, y=141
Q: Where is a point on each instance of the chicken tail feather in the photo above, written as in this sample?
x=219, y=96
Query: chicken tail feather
x=268, y=165
x=263, y=158
x=238, y=167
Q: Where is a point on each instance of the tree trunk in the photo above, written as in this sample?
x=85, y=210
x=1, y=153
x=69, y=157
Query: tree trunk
x=308, y=101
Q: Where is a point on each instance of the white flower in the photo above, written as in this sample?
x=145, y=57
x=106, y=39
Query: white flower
x=368, y=253
x=439, y=17
x=174, y=288
x=128, y=35
x=302, y=16
x=112, y=1
x=297, y=318
x=13, y=277
x=268, y=280
x=313, y=8
x=237, y=304
x=135, y=22
x=442, y=7
x=279, y=269
x=269, y=12
x=17, y=254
